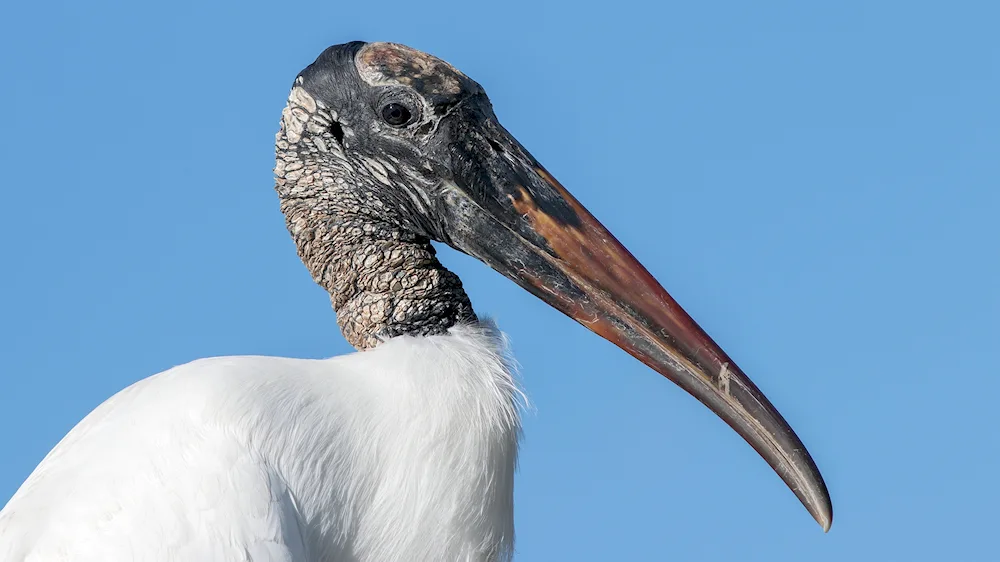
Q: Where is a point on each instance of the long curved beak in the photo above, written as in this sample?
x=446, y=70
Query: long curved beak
x=509, y=212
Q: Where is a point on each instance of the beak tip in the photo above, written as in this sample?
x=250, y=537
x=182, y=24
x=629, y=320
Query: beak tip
x=824, y=515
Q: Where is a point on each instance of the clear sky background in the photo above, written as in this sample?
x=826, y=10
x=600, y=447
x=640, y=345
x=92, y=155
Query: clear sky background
x=818, y=185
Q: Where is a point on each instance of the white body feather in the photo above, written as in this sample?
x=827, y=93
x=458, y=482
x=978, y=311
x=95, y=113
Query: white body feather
x=404, y=452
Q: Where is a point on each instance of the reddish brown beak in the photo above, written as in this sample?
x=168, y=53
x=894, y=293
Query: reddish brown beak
x=508, y=211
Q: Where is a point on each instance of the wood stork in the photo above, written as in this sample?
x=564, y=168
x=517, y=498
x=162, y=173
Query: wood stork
x=406, y=449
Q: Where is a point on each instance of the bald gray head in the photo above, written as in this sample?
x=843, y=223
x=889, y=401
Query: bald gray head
x=357, y=186
x=383, y=148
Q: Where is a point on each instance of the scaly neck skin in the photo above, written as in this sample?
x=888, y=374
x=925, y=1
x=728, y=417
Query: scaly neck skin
x=383, y=280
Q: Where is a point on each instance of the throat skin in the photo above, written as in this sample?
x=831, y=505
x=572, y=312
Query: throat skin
x=383, y=279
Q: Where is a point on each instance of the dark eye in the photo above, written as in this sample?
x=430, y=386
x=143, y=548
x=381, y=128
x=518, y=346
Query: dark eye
x=396, y=114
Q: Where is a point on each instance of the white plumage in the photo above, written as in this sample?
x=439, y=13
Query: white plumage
x=406, y=451
x=403, y=452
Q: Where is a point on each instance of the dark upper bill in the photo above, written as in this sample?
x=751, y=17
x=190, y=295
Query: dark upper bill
x=506, y=210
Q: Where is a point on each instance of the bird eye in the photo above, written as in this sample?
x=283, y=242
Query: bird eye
x=396, y=114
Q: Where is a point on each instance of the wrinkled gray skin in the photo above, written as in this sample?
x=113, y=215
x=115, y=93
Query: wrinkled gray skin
x=363, y=197
x=356, y=205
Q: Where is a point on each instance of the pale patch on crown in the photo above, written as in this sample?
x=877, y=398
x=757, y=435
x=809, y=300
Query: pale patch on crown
x=381, y=64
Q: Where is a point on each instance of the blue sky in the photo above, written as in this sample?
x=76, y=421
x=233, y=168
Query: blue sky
x=819, y=186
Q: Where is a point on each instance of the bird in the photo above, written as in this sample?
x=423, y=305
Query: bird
x=405, y=449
